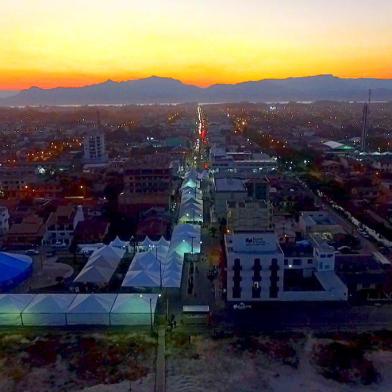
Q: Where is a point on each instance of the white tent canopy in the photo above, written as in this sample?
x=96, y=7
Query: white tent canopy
x=47, y=309
x=94, y=274
x=134, y=309
x=141, y=278
x=190, y=183
x=109, y=251
x=163, y=242
x=146, y=243
x=101, y=261
x=101, y=265
x=189, y=191
x=185, y=238
x=146, y=268
x=11, y=307
x=81, y=309
x=91, y=309
x=117, y=243
x=190, y=214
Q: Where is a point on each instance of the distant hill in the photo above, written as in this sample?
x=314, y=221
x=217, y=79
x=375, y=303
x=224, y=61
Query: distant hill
x=167, y=90
x=8, y=93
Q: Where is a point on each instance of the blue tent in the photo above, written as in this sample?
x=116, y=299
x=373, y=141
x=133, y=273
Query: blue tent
x=14, y=269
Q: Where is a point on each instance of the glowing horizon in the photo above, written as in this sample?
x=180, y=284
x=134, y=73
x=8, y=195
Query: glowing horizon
x=72, y=43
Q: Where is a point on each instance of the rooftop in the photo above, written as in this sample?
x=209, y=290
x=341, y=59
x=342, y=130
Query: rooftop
x=229, y=185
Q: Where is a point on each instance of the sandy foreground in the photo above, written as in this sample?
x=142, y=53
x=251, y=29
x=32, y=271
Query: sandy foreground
x=123, y=362
x=218, y=366
x=62, y=362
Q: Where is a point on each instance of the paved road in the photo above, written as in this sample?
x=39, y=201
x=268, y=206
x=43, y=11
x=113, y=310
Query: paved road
x=271, y=317
x=160, y=375
x=346, y=224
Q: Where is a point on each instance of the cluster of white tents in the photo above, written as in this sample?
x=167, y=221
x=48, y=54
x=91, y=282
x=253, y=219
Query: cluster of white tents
x=77, y=309
x=191, y=207
x=159, y=264
x=88, y=249
x=101, y=265
x=148, y=267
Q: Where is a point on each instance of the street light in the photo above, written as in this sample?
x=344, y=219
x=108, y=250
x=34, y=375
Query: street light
x=160, y=265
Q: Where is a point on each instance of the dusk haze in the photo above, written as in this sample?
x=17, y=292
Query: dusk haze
x=49, y=43
x=195, y=196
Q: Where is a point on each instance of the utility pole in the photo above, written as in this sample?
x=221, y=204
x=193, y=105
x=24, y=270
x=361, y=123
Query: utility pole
x=160, y=266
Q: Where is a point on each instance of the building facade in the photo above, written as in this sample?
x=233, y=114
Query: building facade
x=255, y=266
x=94, y=147
x=4, y=220
x=259, y=269
x=249, y=215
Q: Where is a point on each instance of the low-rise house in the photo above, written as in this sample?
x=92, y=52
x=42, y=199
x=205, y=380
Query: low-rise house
x=4, y=220
x=26, y=234
x=91, y=230
x=61, y=225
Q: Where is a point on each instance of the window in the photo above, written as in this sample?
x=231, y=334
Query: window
x=256, y=290
x=310, y=261
x=237, y=265
x=237, y=292
x=297, y=262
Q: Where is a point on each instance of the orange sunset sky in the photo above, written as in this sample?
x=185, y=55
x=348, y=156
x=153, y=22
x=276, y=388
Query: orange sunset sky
x=50, y=43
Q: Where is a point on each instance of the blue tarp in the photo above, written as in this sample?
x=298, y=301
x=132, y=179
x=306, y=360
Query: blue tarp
x=14, y=269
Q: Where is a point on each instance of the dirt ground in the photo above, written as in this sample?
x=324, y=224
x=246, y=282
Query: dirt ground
x=275, y=363
x=76, y=361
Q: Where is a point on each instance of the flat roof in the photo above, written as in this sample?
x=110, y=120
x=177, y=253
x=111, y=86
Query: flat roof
x=229, y=185
x=336, y=145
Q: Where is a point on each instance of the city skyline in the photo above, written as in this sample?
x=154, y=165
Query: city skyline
x=80, y=43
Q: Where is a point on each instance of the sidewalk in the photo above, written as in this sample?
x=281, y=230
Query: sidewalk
x=160, y=375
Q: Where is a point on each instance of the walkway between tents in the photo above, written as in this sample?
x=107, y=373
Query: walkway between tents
x=160, y=376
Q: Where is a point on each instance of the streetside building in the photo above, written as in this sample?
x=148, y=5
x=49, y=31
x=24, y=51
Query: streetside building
x=94, y=147
x=255, y=266
x=61, y=225
x=227, y=190
x=259, y=269
x=4, y=220
x=147, y=184
x=318, y=221
x=249, y=215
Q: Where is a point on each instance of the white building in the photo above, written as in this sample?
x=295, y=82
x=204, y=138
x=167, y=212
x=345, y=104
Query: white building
x=318, y=221
x=241, y=164
x=4, y=220
x=255, y=265
x=61, y=225
x=258, y=269
x=94, y=147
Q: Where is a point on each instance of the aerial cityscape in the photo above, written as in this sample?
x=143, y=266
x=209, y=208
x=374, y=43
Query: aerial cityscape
x=195, y=196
